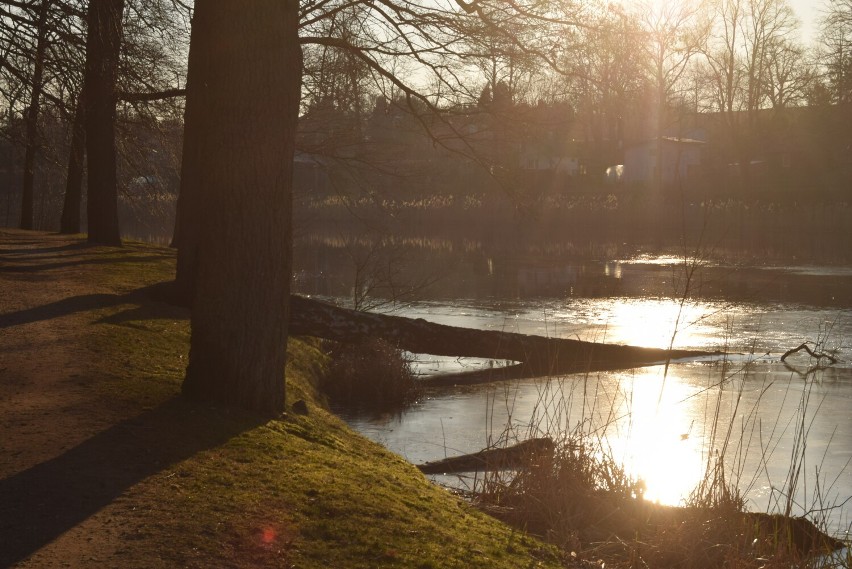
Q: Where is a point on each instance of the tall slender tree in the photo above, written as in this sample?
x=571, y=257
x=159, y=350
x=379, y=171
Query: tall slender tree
x=70, y=221
x=738, y=68
x=836, y=49
x=605, y=81
x=674, y=32
x=32, y=114
x=153, y=41
x=103, y=44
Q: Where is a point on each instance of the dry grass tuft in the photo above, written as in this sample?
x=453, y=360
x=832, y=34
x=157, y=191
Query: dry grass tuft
x=585, y=503
x=372, y=376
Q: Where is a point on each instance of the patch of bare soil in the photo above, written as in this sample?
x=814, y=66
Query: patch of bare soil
x=74, y=464
x=47, y=405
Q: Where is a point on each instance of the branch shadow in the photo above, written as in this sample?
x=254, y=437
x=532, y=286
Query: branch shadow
x=40, y=504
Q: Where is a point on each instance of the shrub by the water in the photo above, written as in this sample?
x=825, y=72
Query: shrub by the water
x=583, y=501
x=372, y=375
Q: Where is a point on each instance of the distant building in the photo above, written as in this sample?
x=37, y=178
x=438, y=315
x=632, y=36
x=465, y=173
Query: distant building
x=681, y=160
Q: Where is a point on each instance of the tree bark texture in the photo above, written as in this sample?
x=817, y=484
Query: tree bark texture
x=103, y=44
x=539, y=355
x=243, y=97
x=70, y=222
x=27, y=191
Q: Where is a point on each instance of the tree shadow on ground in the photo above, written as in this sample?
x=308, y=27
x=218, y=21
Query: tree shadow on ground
x=19, y=258
x=42, y=267
x=40, y=504
x=142, y=297
x=40, y=251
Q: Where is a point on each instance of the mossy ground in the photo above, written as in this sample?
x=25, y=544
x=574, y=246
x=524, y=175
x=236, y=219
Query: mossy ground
x=183, y=484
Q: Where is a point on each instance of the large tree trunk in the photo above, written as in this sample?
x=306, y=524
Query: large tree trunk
x=103, y=44
x=27, y=193
x=243, y=96
x=539, y=355
x=70, y=222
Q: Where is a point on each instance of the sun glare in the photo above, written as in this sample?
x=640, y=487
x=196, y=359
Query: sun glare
x=660, y=7
x=653, y=323
x=655, y=440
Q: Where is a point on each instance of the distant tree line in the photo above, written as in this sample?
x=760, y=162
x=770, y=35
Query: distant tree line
x=88, y=87
x=117, y=64
x=617, y=72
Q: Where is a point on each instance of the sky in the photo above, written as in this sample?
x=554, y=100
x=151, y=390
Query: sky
x=808, y=12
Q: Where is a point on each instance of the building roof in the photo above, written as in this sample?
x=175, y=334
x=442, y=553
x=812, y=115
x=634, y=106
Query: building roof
x=669, y=139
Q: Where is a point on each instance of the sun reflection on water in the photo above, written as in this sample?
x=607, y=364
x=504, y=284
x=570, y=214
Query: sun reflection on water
x=654, y=323
x=654, y=438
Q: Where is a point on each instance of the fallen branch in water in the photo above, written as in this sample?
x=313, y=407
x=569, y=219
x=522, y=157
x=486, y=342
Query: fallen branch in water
x=817, y=355
x=492, y=459
x=538, y=355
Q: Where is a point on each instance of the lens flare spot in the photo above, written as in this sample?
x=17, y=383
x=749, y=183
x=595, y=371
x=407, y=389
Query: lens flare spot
x=267, y=535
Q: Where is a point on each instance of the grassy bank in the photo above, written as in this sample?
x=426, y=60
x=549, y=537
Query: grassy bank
x=165, y=483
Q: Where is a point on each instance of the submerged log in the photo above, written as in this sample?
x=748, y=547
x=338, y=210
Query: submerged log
x=539, y=355
x=513, y=457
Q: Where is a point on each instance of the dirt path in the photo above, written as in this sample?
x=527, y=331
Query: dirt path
x=58, y=502
x=44, y=371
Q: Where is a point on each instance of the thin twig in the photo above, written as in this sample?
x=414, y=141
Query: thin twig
x=805, y=347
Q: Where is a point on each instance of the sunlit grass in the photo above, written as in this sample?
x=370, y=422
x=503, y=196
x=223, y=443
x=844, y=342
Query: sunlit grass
x=302, y=490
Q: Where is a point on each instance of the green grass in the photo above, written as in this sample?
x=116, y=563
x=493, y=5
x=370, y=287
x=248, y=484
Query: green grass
x=301, y=491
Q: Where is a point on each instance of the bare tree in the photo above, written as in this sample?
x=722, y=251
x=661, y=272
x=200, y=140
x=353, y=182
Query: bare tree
x=70, y=219
x=836, y=49
x=604, y=72
x=747, y=37
x=789, y=75
x=41, y=79
x=103, y=43
x=234, y=239
x=34, y=37
x=337, y=89
x=32, y=113
x=141, y=70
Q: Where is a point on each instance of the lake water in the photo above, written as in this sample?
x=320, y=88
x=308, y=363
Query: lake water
x=783, y=430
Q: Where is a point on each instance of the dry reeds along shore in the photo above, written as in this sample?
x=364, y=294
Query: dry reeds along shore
x=576, y=495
